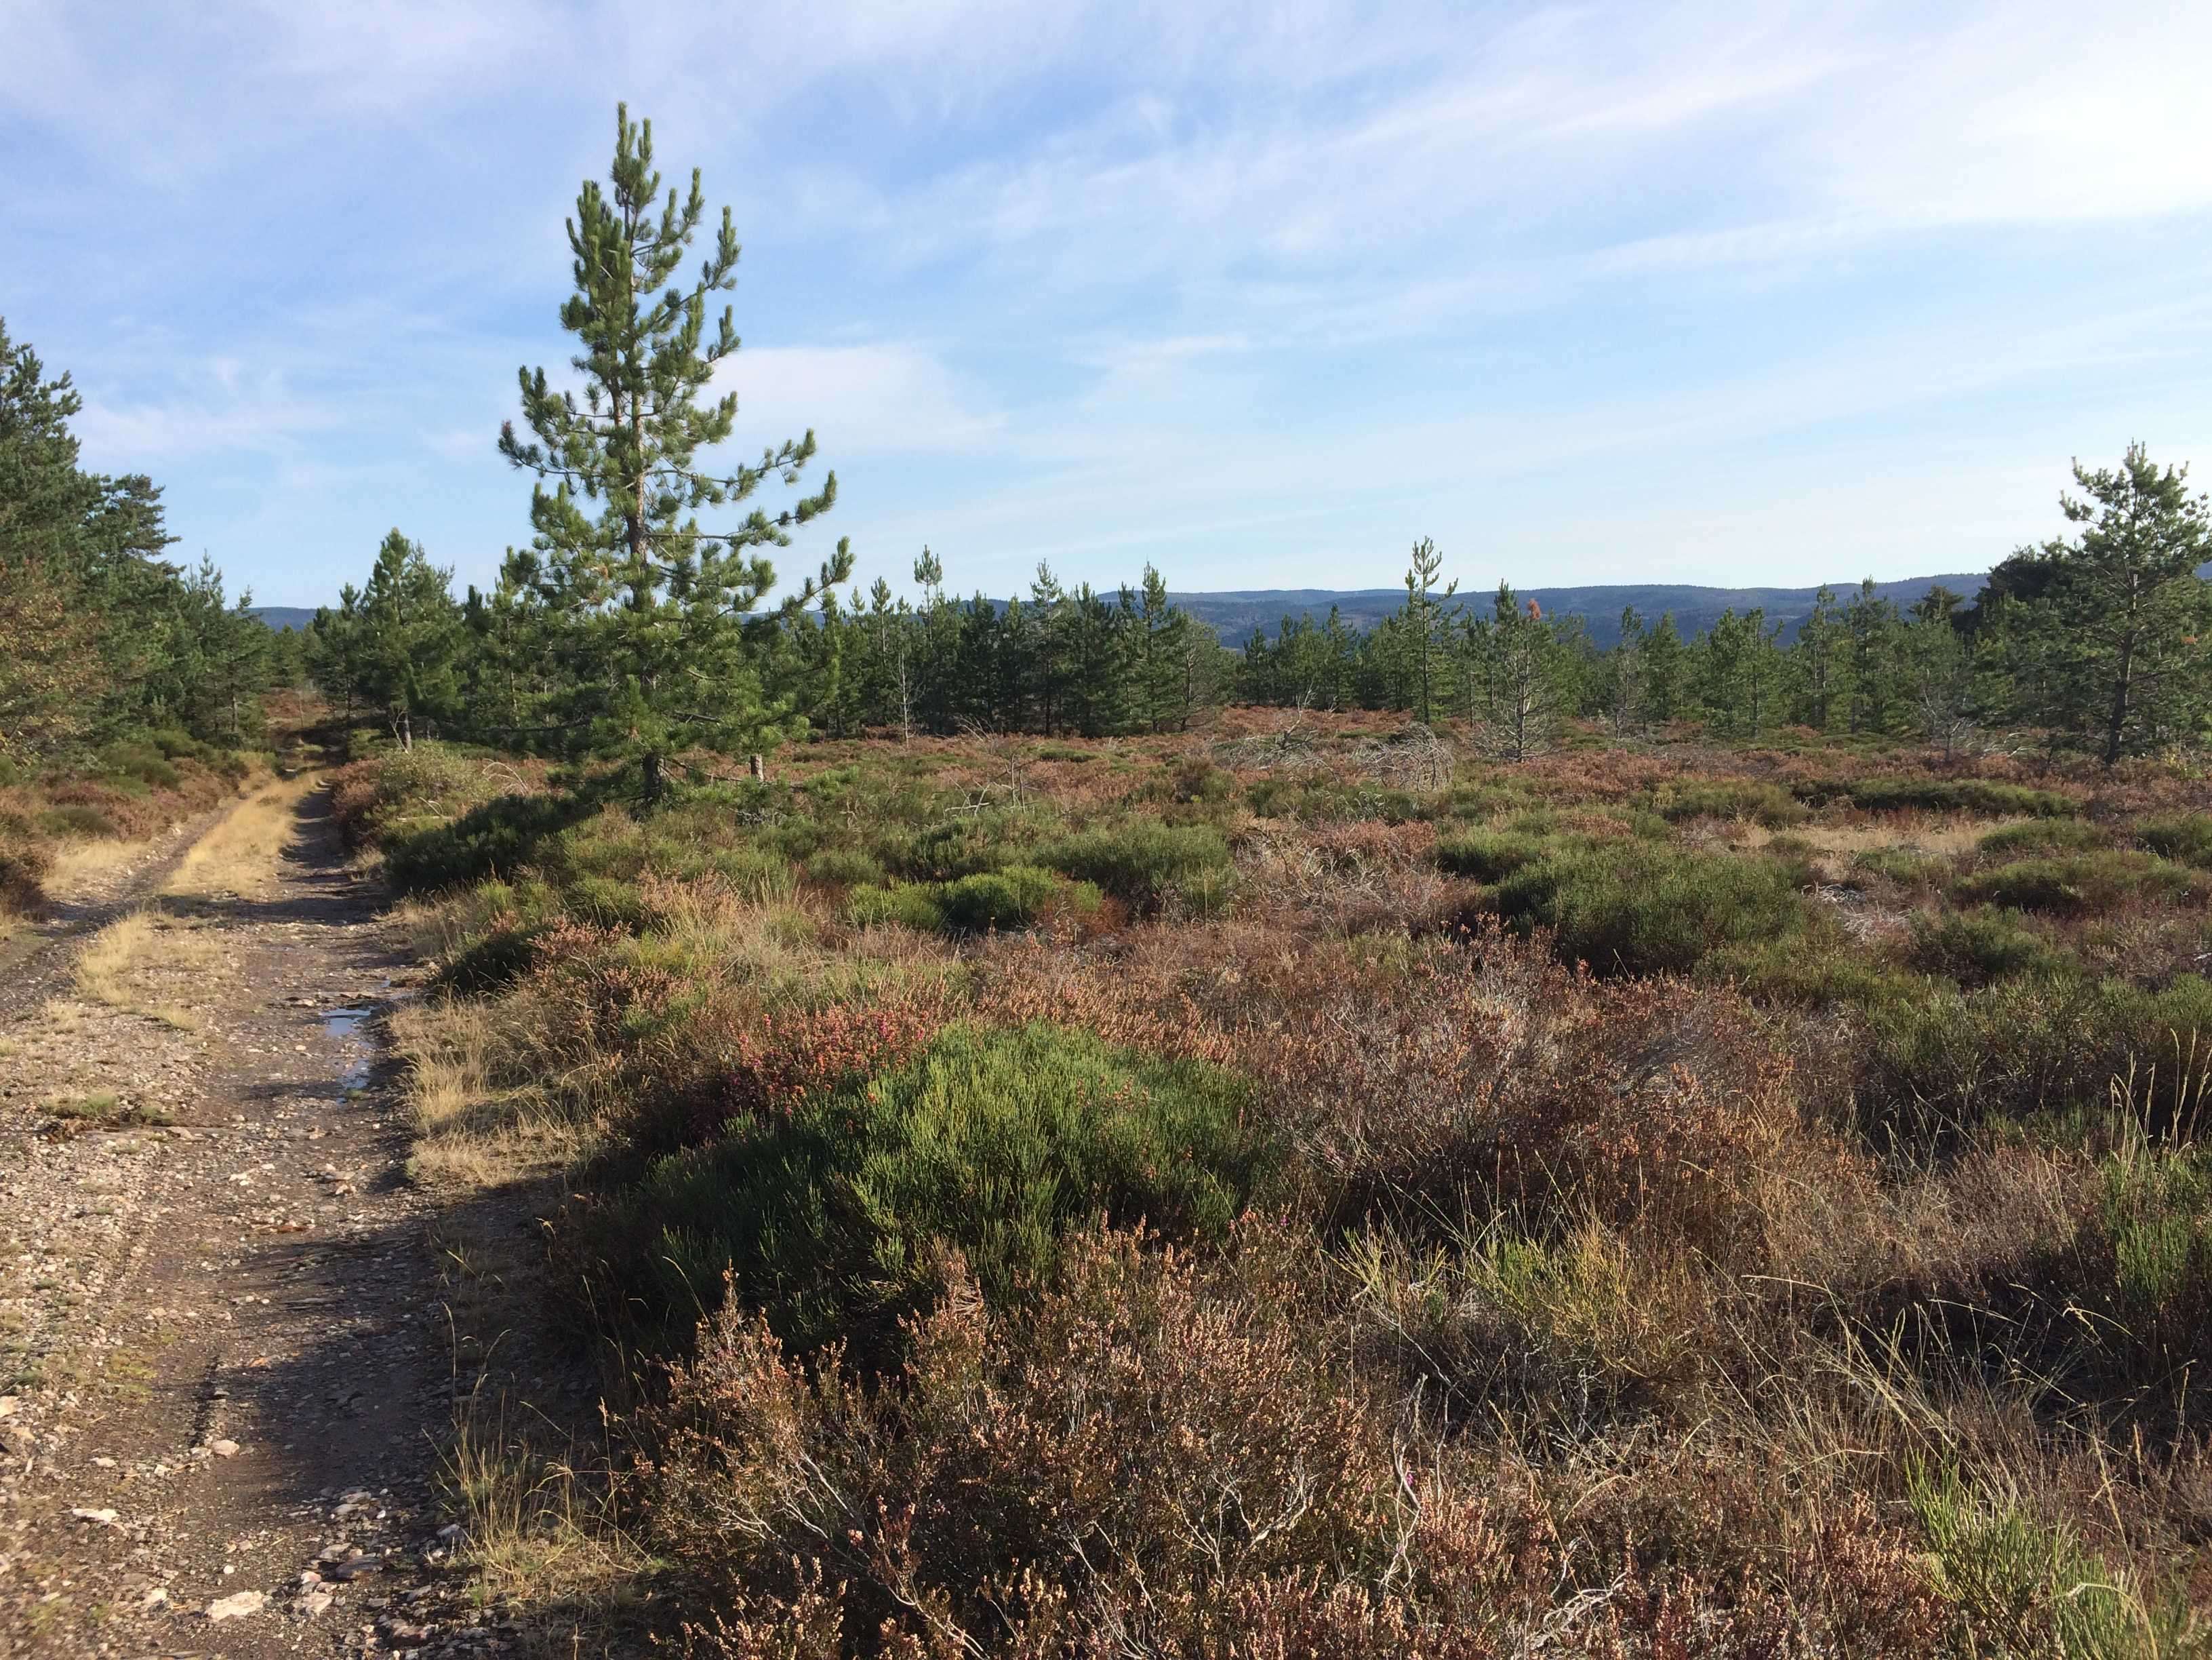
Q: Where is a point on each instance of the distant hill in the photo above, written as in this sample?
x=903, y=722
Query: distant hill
x=1235, y=615
x=280, y=617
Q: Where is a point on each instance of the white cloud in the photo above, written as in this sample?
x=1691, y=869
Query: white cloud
x=861, y=400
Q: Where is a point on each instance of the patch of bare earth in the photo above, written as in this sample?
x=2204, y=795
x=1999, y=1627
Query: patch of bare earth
x=225, y=1386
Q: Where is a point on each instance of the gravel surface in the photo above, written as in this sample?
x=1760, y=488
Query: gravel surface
x=226, y=1376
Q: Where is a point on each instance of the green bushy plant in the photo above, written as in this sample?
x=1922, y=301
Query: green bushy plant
x=2075, y=885
x=77, y=819
x=845, y=868
x=1144, y=862
x=1768, y=805
x=1976, y=946
x=1642, y=908
x=1985, y=796
x=2183, y=838
x=1488, y=855
x=997, y=1141
x=2044, y=836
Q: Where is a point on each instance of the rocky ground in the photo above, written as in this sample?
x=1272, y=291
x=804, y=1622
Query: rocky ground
x=227, y=1385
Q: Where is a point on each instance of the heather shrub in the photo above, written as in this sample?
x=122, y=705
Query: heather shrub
x=1989, y=798
x=499, y=836
x=845, y=868
x=1638, y=908
x=1487, y=855
x=2183, y=838
x=2044, y=836
x=1768, y=805
x=1977, y=946
x=998, y=1142
x=2030, y=1046
x=1145, y=863
x=2076, y=885
x=22, y=862
x=909, y=904
x=77, y=819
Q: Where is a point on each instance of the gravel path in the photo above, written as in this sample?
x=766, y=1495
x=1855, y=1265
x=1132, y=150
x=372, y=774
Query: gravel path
x=226, y=1378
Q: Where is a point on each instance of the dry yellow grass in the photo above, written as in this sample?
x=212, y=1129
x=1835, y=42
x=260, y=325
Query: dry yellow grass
x=79, y=863
x=125, y=960
x=240, y=854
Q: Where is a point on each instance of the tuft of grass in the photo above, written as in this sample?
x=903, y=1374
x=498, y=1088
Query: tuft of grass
x=2026, y=1586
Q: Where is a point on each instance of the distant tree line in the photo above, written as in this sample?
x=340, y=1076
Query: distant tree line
x=103, y=639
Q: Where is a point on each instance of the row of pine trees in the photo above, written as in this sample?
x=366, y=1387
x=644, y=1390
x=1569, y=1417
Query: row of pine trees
x=637, y=627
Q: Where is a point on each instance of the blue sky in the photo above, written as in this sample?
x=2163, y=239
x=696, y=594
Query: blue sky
x=1258, y=293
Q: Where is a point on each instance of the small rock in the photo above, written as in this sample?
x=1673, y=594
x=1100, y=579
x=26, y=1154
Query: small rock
x=453, y=1533
x=156, y=1598
x=353, y=1567
x=105, y=1517
x=236, y=1606
x=310, y=1604
x=223, y=1449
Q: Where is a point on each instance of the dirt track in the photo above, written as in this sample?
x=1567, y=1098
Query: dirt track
x=227, y=1381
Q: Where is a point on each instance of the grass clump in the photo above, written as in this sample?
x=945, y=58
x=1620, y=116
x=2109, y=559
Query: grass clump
x=1636, y=907
x=998, y=1142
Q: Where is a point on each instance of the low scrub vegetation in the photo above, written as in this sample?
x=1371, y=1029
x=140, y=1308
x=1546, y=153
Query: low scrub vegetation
x=1621, y=1205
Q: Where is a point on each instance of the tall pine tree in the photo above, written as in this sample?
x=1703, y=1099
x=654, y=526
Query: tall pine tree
x=648, y=605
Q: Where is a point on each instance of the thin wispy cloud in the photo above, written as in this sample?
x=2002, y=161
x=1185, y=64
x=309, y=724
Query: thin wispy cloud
x=1258, y=291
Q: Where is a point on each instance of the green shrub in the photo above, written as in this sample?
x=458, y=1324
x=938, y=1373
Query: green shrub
x=999, y=901
x=1639, y=907
x=77, y=819
x=1977, y=946
x=500, y=836
x=909, y=904
x=2030, y=1046
x=1487, y=855
x=1145, y=862
x=2074, y=885
x=845, y=868
x=2044, y=836
x=2183, y=838
x=1984, y=796
x=1727, y=797
x=997, y=1141
x=141, y=764
x=177, y=744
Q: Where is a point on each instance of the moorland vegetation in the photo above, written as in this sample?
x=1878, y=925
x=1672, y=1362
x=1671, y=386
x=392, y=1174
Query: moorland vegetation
x=1441, y=1139
x=1247, y=1189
